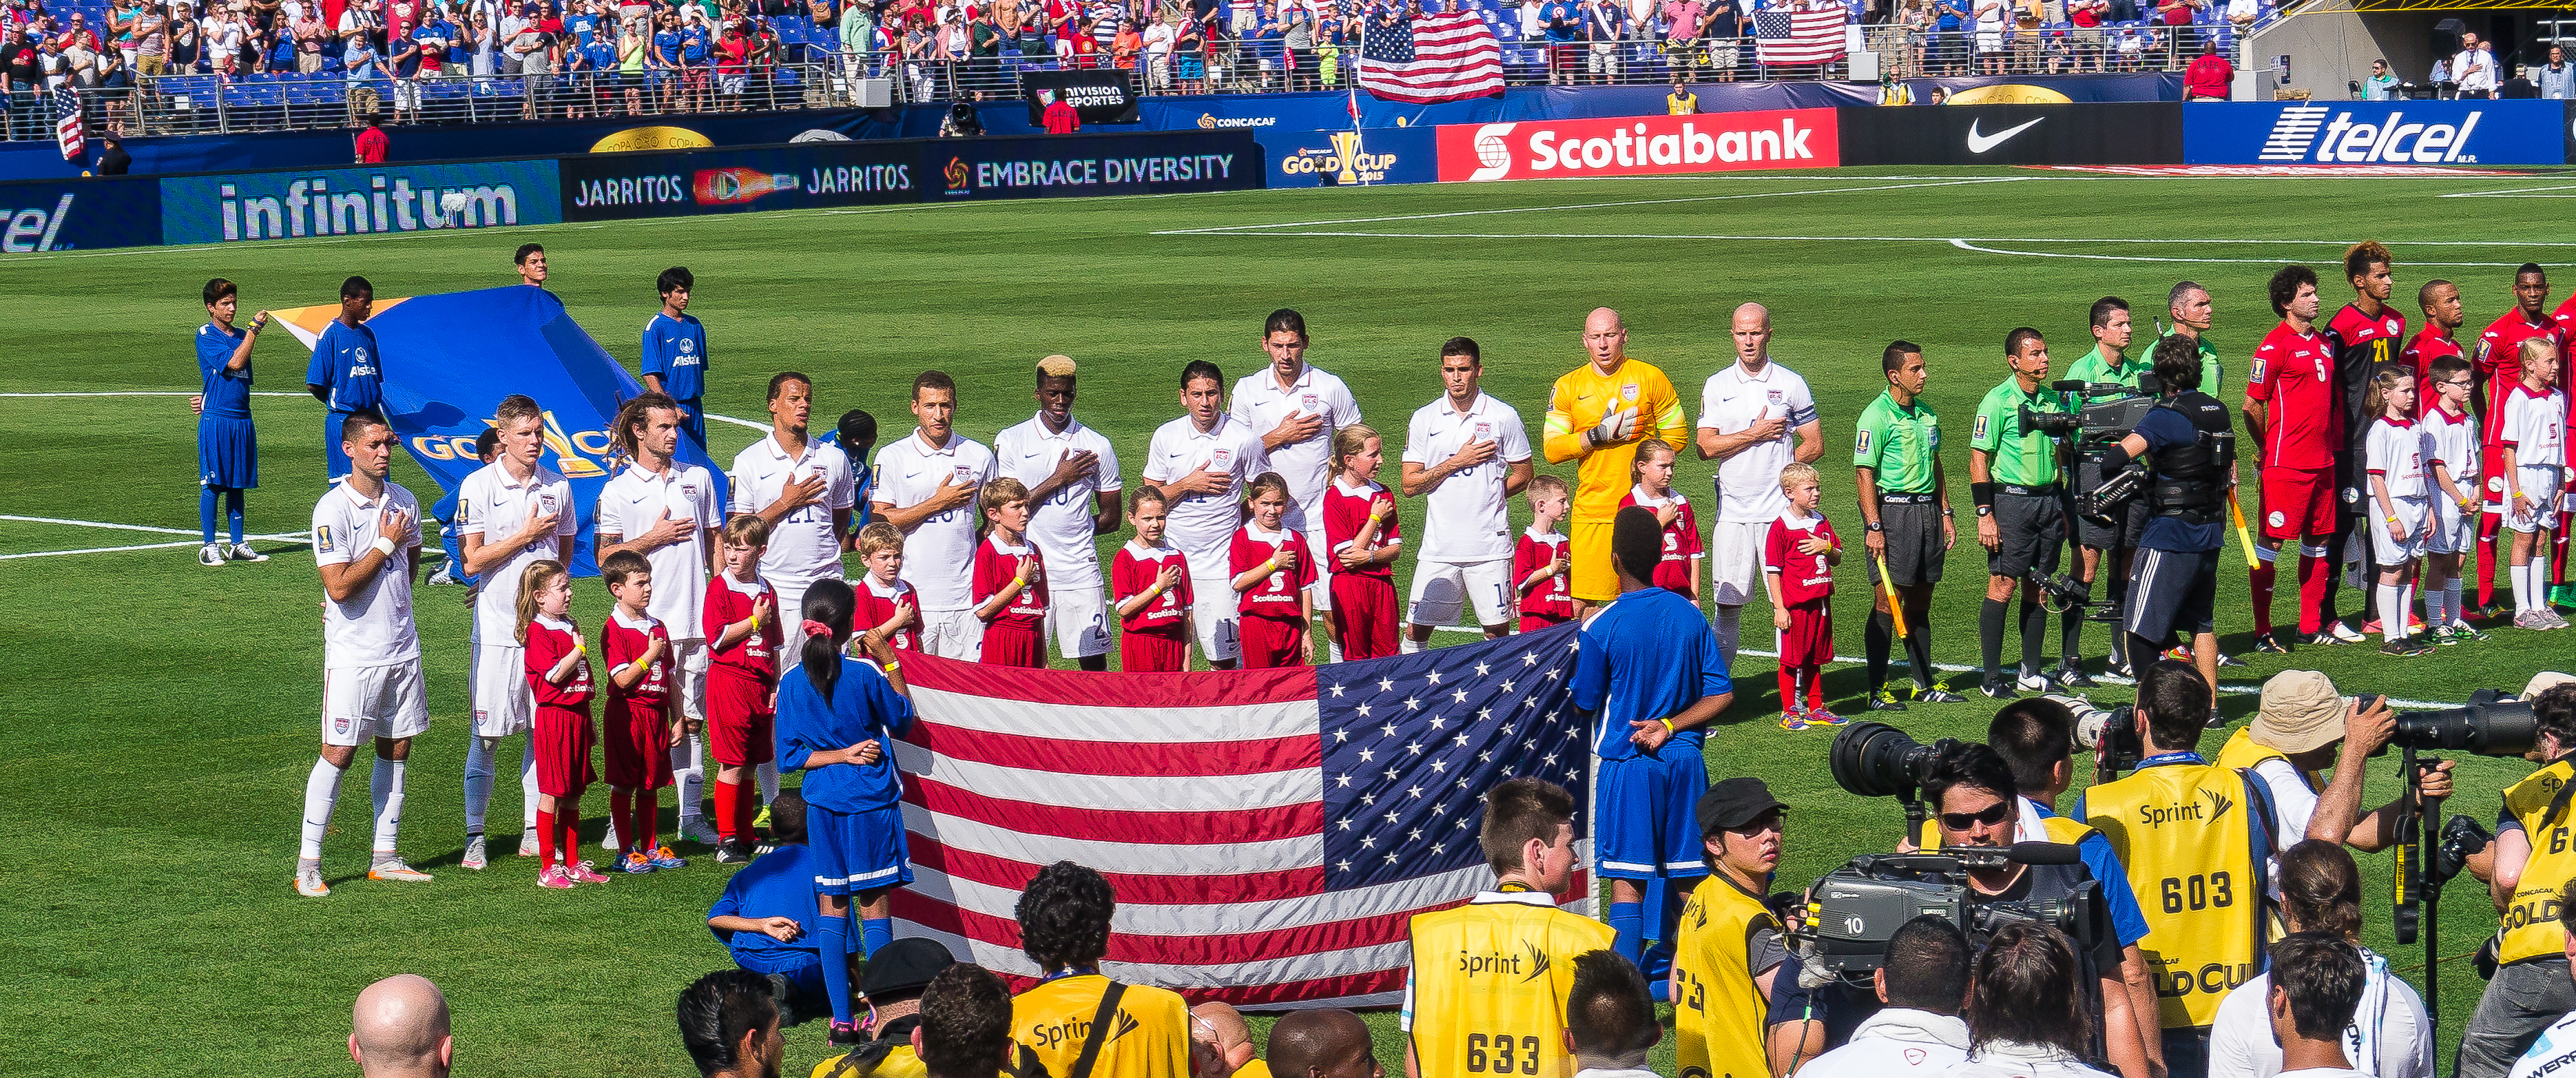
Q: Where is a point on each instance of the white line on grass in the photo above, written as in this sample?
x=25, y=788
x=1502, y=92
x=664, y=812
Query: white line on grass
x=2515, y=192
x=1970, y=245
x=1257, y=229
x=738, y=422
x=103, y=524
x=142, y=546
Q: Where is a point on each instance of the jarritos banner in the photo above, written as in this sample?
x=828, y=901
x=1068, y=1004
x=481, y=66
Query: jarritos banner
x=1641, y=145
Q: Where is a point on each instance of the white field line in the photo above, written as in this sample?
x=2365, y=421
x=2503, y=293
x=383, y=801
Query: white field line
x=142, y=546
x=1970, y=245
x=1220, y=230
x=2516, y=192
x=105, y=524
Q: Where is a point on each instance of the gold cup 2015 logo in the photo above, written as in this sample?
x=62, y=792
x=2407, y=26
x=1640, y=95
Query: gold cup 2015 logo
x=583, y=454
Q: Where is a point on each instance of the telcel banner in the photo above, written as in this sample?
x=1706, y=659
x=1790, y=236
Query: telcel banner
x=66, y=215
x=2374, y=133
x=1640, y=145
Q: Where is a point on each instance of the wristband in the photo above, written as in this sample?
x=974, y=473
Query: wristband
x=1019, y=582
x=1668, y=727
x=385, y=545
x=1981, y=493
x=893, y=665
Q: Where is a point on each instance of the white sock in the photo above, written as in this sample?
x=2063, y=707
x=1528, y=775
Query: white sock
x=1407, y=645
x=2435, y=615
x=2521, y=576
x=688, y=774
x=478, y=782
x=2406, y=609
x=321, y=793
x=528, y=783
x=2392, y=618
x=1729, y=625
x=767, y=775
x=2451, y=600
x=385, y=785
x=1332, y=651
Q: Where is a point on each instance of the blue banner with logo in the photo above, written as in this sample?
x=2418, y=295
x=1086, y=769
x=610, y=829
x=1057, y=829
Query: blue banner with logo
x=1088, y=165
x=1334, y=158
x=441, y=387
x=71, y=215
x=2374, y=133
x=599, y=187
x=364, y=200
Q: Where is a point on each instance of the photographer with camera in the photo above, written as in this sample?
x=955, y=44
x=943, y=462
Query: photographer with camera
x=2021, y=511
x=2190, y=446
x=2388, y=1036
x=2303, y=727
x=2534, y=857
x=1728, y=955
x=2113, y=541
x=2026, y=1016
x=2196, y=837
x=1924, y=986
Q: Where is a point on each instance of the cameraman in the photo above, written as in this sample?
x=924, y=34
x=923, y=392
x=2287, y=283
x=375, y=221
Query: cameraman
x=2026, y=1017
x=2196, y=837
x=2021, y=512
x=2173, y=588
x=2097, y=543
x=1924, y=984
x=2302, y=728
x=2530, y=989
x=1729, y=952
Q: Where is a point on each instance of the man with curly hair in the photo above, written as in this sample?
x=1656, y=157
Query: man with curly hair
x=1064, y=927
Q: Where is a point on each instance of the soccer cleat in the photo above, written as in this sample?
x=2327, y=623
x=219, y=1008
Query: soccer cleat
x=732, y=852
x=1937, y=692
x=2071, y=676
x=2031, y=683
x=1995, y=688
x=763, y=849
x=2399, y=649
x=1821, y=717
x=2214, y=721
x=2119, y=667
x=584, y=872
x=2461, y=630
x=634, y=863
x=2269, y=644
x=397, y=870
x=528, y=841
x=1885, y=700
x=2324, y=640
x=2225, y=659
x=2562, y=595
x=476, y=854
x=308, y=880
x=608, y=841
x=553, y=879
x=2343, y=633
x=1792, y=720
x=662, y=857
x=696, y=830
x=243, y=552
x=211, y=555
x=445, y=574
x=761, y=822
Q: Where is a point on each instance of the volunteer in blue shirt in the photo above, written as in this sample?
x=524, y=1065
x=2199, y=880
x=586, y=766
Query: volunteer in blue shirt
x=346, y=374
x=766, y=915
x=1650, y=673
x=227, y=446
x=675, y=351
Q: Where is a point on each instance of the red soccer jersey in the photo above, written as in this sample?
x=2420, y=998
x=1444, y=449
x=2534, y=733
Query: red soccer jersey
x=621, y=644
x=756, y=656
x=2500, y=359
x=1276, y=596
x=2429, y=345
x=2293, y=375
x=994, y=570
x=2565, y=315
x=546, y=647
x=1344, y=513
x=2364, y=339
x=877, y=609
x=1551, y=597
x=1681, y=540
x=1133, y=570
x=1804, y=578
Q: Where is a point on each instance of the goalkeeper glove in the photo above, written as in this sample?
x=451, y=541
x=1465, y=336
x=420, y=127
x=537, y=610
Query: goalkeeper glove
x=1615, y=427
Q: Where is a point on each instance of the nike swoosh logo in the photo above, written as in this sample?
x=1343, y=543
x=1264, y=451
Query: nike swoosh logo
x=1980, y=143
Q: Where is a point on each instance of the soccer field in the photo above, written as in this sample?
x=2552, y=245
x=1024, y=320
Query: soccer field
x=159, y=717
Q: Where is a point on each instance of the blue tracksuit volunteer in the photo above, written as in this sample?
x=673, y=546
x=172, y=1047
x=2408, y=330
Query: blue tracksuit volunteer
x=347, y=373
x=675, y=351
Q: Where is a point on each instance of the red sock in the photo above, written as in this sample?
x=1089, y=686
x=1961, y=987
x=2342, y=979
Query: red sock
x=725, y=807
x=2487, y=558
x=2261, y=577
x=746, y=808
x=621, y=812
x=2316, y=577
x=568, y=826
x=1815, y=686
x=545, y=841
x=640, y=836
x=1788, y=687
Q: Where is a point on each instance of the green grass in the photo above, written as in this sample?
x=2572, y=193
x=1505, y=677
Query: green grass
x=158, y=718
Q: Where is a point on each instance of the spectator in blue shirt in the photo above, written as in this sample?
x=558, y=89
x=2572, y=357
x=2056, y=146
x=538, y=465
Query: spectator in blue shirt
x=1949, y=46
x=1564, y=19
x=346, y=374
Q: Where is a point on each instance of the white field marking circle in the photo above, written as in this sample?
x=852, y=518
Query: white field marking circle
x=2518, y=192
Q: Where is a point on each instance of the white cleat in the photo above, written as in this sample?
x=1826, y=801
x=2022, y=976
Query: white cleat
x=397, y=870
x=477, y=855
x=243, y=552
x=308, y=881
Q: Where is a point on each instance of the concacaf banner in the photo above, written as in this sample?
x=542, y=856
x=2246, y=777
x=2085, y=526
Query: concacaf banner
x=449, y=359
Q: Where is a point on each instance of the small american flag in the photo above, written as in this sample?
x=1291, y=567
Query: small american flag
x=67, y=123
x=1269, y=833
x=1438, y=57
x=1806, y=36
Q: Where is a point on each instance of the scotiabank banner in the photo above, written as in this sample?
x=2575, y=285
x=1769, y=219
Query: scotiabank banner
x=1640, y=145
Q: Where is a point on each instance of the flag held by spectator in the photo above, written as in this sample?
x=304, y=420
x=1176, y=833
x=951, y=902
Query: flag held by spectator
x=1806, y=36
x=67, y=124
x=1431, y=58
x=1269, y=833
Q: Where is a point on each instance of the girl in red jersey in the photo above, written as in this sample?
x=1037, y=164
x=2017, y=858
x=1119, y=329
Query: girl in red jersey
x=741, y=623
x=1150, y=580
x=1540, y=558
x=1270, y=580
x=1363, y=538
x=1010, y=586
x=643, y=718
x=1798, y=558
x=1653, y=472
x=558, y=669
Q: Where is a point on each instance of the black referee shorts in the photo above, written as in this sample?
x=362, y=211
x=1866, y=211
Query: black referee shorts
x=2032, y=530
x=2172, y=591
x=1914, y=548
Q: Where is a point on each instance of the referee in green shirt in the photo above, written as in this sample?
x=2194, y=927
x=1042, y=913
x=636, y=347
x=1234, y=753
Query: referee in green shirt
x=1905, y=504
x=2189, y=304
x=2021, y=512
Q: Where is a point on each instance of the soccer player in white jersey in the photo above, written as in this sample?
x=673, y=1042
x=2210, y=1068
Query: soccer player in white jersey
x=366, y=541
x=1295, y=408
x=667, y=512
x=1748, y=414
x=804, y=489
x=1202, y=461
x=926, y=486
x=1072, y=476
x=509, y=514
x=1465, y=455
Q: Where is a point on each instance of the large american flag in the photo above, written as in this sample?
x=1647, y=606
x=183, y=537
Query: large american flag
x=67, y=123
x=1434, y=57
x=1812, y=35
x=1269, y=832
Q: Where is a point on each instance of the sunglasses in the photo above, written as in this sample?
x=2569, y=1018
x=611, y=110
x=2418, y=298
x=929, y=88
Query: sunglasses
x=1994, y=814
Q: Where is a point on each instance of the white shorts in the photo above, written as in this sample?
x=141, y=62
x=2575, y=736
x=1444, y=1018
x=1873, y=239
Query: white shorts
x=364, y=702
x=791, y=611
x=1735, y=562
x=502, y=703
x=952, y=634
x=1442, y=588
x=406, y=94
x=2388, y=552
x=2454, y=532
x=1078, y=618
x=1213, y=614
x=693, y=678
x=2540, y=484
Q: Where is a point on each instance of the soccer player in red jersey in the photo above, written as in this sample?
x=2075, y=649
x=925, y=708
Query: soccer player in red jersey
x=741, y=624
x=1150, y=580
x=1678, y=572
x=886, y=609
x=558, y=672
x=2363, y=335
x=1271, y=580
x=2290, y=408
x=1010, y=585
x=2499, y=368
x=2443, y=315
x=1541, y=557
x=643, y=719
x=1362, y=537
x=1798, y=555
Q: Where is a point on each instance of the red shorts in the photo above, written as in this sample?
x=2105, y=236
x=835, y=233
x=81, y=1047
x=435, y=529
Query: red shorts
x=563, y=740
x=1013, y=645
x=1269, y=642
x=739, y=720
x=1153, y=652
x=1531, y=623
x=1809, y=639
x=638, y=736
x=1364, y=615
x=2298, y=502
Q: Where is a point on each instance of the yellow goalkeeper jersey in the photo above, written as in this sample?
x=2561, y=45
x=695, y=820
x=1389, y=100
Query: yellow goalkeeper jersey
x=1579, y=403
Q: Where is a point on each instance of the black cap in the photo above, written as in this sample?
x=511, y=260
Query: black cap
x=904, y=967
x=1732, y=803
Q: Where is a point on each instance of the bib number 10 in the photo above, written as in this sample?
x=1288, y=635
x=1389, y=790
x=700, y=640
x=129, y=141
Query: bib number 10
x=1507, y=1056
x=2214, y=891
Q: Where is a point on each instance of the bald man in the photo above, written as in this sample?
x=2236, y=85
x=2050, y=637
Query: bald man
x=399, y=1029
x=1599, y=414
x=1749, y=414
x=1326, y=1043
x=1221, y=1043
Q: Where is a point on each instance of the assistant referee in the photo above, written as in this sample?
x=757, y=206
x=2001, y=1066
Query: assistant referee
x=2021, y=512
x=1905, y=500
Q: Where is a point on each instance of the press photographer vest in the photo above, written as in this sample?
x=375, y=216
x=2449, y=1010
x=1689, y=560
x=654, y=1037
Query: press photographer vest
x=1489, y=985
x=1718, y=1013
x=2242, y=752
x=2185, y=832
x=2531, y=918
x=2191, y=481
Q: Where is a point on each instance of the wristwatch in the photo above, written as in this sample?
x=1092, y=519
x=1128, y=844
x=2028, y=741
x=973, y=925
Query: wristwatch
x=1982, y=510
x=1876, y=526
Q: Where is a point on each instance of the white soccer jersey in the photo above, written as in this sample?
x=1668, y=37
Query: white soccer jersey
x=2455, y=446
x=1260, y=403
x=2555, y=1051
x=373, y=627
x=1203, y=525
x=1748, y=483
x=802, y=545
x=1466, y=518
x=1060, y=526
x=939, y=555
x=634, y=503
x=2395, y=453
x=493, y=504
x=2535, y=425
